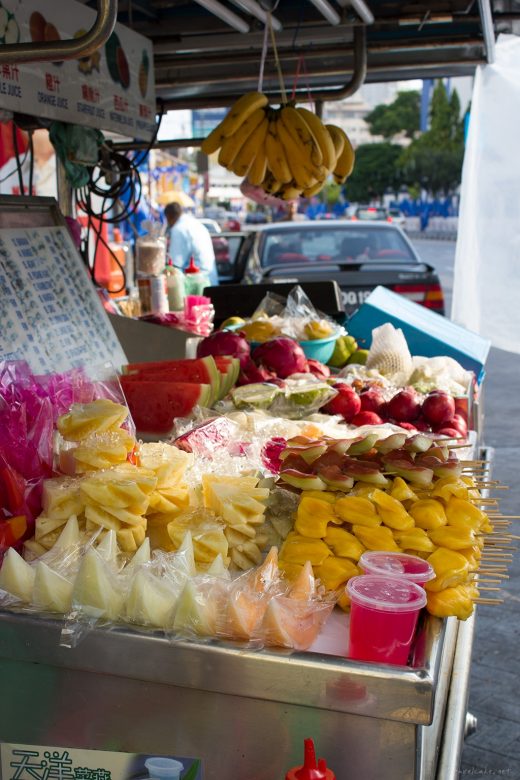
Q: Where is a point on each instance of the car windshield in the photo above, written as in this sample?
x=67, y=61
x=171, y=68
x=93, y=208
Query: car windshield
x=334, y=245
x=371, y=213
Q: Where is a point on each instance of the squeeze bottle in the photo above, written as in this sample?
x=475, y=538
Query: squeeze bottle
x=310, y=769
x=195, y=280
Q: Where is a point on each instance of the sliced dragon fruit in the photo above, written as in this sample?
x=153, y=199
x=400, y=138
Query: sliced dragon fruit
x=301, y=480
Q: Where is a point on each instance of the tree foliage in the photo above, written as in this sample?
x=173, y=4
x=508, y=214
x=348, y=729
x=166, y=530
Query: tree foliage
x=375, y=171
x=434, y=160
x=402, y=115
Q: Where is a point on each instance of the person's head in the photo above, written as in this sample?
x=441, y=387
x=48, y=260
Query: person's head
x=172, y=212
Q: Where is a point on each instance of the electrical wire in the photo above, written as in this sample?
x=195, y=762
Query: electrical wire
x=22, y=163
x=115, y=183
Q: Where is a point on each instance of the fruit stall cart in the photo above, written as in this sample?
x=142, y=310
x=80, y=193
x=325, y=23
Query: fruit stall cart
x=219, y=703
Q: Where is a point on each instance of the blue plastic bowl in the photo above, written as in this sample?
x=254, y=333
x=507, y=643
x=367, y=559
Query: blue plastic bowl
x=319, y=349
x=316, y=349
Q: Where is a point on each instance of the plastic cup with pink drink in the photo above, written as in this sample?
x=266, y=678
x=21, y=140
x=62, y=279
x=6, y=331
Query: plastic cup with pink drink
x=411, y=567
x=383, y=617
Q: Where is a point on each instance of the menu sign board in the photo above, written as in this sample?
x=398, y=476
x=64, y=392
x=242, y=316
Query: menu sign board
x=50, y=313
x=111, y=89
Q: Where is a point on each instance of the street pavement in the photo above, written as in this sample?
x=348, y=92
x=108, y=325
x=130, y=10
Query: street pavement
x=494, y=749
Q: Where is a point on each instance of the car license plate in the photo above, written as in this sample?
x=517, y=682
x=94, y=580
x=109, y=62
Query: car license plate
x=352, y=299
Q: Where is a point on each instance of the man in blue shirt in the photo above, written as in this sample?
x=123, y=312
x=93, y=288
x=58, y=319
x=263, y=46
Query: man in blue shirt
x=188, y=237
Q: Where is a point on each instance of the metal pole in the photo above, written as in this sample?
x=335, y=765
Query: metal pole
x=488, y=30
x=72, y=49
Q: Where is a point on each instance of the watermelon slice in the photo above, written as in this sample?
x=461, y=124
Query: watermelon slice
x=229, y=368
x=155, y=405
x=202, y=371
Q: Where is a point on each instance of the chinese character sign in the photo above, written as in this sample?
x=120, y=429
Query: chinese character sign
x=112, y=88
x=29, y=762
x=50, y=312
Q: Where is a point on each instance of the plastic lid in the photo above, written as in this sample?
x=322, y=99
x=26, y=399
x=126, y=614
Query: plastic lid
x=386, y=593
x=192, y=268
x=164, y=767
x=411, y=567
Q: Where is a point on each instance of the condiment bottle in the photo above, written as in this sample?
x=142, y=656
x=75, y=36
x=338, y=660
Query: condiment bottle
x=310, y=769
x=176, y=287
x=195, y=280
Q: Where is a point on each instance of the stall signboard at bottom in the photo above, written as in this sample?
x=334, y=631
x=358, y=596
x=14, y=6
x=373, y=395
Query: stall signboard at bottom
x=39, y=762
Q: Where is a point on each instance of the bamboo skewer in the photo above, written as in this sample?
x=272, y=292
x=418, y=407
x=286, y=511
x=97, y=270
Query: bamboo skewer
x=487, y=601
x=486, y=588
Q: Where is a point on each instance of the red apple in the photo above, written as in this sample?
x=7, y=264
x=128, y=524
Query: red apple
x=371, y=400
x=451, y=432
x=458, y=423
x=346, y=403
x=404, y=406
x=407, y=426
x=366, y=418
x=422, y=425
x=438, y=407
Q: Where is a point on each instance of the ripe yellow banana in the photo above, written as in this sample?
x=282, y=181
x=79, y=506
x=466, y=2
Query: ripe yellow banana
x=291, y=191
x=304, y=173
x=247, y=153
x=310, y=191
x=270, y=184
x=338, y=139
x=345, y=162
x=236, y=115
x=258, y=169
x=276, y=156
x=232, y=145
x=322, y=137
x=302, y=133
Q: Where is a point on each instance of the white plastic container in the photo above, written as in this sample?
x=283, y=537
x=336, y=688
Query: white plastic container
x=176, y=288
x=153, y=294
x=163, y=768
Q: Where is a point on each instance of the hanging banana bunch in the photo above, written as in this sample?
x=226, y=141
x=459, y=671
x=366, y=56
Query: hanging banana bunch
x=287, y=151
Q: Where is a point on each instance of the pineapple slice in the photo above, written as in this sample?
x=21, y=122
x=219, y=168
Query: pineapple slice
x=207, y=533
x=61, y=498
x=169, y=500
x=32, y=550
x=122, y=486
x=45, y=525
x=17, y=576
x=96, y=417
x=98, y=517
x=236, y=499
x=132, y=537
x=168, y=463
x=245, y=556
x=102, y=450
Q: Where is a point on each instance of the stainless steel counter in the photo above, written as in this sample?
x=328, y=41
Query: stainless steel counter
x=244, y=713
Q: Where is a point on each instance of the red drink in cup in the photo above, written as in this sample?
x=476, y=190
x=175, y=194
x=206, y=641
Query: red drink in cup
x=411, y=567
x=383, y=617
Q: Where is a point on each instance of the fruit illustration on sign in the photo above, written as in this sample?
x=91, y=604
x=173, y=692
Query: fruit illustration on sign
x=144, y=69
x=87, y=64
x=117, y=62
x=9, y=30
x=37, y=26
